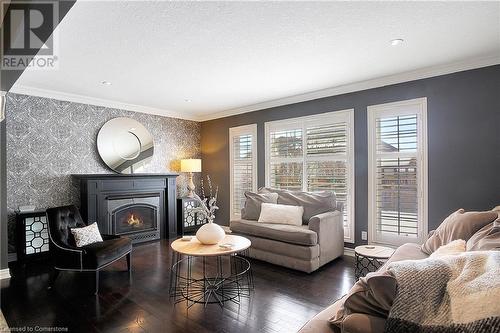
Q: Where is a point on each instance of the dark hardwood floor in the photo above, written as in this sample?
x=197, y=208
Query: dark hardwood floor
x=283, y=299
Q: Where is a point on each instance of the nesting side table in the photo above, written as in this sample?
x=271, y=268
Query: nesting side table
x=369, y=258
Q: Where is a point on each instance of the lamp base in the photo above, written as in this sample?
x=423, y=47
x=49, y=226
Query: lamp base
x=190, y=186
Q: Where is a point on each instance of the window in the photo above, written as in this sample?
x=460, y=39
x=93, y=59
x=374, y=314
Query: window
x=313, y=154
x=397, y=176
x=243, y=165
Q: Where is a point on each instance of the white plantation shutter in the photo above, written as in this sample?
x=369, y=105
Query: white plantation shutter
x=327, y=162
x=397, y=172
x=314, y=154
x=243, y=165
x=286, y=149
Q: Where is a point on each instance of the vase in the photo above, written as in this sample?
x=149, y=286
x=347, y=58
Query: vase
x=210, y=234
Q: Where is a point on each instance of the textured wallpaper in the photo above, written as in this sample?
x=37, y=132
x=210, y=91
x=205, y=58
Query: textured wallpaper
x=48, y=140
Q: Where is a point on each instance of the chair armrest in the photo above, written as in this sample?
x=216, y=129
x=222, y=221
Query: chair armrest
x=330, y=230
x=67, y=256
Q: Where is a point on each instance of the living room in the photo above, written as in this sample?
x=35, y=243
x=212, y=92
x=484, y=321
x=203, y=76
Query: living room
x=250, y=166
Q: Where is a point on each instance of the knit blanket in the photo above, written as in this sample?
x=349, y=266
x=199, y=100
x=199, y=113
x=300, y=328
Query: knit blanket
x=456, y=293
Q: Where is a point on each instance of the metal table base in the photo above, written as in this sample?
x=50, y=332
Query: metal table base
x=207, y=280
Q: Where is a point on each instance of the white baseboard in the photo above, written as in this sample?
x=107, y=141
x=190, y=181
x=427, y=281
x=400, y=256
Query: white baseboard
x=4, y=274
x=348, y=252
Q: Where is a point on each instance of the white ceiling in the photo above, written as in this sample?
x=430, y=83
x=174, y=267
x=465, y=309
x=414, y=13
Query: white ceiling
x=230, y=57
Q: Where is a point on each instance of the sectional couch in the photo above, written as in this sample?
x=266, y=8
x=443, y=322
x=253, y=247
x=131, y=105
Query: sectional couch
x=480, y=230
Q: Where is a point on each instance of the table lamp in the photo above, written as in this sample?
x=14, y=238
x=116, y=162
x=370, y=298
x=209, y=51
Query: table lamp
x=191, y=165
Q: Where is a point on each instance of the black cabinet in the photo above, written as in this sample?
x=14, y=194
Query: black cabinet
x=188, y=222
x=32, y=235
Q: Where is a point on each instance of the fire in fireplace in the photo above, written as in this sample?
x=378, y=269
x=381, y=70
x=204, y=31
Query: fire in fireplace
x=134, y=220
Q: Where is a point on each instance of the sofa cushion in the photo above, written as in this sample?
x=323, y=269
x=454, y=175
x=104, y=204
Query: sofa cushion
x=101, y=253
x=282, y=232
x=313, y=203
x=459, y=225
x=281, y=214
x=286, y=249
x=253, y=203
x=488, y=238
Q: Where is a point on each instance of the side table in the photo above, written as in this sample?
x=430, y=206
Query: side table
x=187, y=221
x=369, y=258
x=32, y=236
x=209, y=274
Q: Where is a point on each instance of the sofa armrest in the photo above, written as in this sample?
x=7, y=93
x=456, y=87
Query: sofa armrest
x=330, y=229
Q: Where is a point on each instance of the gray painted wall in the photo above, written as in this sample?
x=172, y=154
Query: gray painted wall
x=463, y=140
x=48, y=140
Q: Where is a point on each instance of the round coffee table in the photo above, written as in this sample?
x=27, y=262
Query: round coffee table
x=369, y=258
x=210, y=274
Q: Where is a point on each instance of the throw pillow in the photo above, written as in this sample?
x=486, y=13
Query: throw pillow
x=282, y=214
x=372, y=295
x=459, y=225
x=313, y=203
x=455, y=247
x=488, y=238
x=86, y=235
x=253, y=203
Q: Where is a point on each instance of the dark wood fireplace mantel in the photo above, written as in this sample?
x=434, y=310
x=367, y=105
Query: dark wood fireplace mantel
x=97, y=189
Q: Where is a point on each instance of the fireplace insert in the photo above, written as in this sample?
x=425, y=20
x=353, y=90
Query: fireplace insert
x=135, y=215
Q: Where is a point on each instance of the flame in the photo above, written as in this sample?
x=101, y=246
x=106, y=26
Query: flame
x=133, y=220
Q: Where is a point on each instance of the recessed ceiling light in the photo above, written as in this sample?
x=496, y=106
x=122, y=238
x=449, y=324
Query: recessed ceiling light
x=187, y=100
x=397, y=41
x=106, y=83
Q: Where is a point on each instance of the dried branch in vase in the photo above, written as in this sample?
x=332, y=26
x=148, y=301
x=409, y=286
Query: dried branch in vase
x=208, y=205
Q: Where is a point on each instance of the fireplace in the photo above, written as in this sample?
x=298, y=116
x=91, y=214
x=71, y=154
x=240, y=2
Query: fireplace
x=138, y=206
x=135, y=215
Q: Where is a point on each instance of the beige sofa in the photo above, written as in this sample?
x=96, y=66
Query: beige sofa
x=305, y=248
x=357, y=322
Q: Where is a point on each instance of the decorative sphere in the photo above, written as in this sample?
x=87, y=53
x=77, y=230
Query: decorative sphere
x=210, y=234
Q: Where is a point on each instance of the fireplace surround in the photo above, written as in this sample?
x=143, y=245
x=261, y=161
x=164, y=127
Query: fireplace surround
x=140, y=206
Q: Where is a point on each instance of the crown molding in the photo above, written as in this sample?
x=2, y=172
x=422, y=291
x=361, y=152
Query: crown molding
x=363, y=85
x=328, y=92
x=27, y=90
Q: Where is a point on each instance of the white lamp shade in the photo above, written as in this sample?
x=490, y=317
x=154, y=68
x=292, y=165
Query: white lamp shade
x=191, y=165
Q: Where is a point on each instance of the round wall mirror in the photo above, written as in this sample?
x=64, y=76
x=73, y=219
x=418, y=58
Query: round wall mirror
x=125, y=145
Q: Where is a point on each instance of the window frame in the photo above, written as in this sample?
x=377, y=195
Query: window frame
x=347, y=116
x=250, y=129
x=418, y=107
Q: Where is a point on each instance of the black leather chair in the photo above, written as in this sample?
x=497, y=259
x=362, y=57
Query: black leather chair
x=89, y=258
